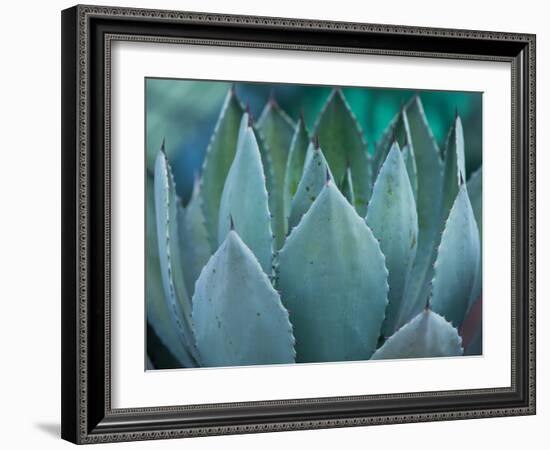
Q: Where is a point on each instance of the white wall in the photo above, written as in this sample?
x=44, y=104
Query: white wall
x=30, y=222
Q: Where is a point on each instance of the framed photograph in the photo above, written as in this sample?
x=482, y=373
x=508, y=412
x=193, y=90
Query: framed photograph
x=282, y=224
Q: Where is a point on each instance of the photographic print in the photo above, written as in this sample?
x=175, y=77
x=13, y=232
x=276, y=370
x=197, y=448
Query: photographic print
x=310, y=224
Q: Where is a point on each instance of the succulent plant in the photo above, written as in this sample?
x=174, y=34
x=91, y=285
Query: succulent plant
x=300, y=245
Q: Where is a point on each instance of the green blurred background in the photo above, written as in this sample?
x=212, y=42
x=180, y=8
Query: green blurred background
x=185, y=113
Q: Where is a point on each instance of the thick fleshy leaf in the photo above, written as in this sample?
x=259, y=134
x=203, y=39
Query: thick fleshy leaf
x=277, y=130
x=454, y=171
x=410, y=164
x=217, y=161
x=430, y=184
x=311, y=184
x=457, y=261
x=346, y=187
x=393, y=219
x=194, y=244
x=474, y=187
x=158, y=314
x=295, y=163
x=270, y=182
x=428, y=335
x=175, y=291
x=333, y=281
x=238, y=316
x=383, y=145
x=342, y=142
x=244, y=203
x=398, y=131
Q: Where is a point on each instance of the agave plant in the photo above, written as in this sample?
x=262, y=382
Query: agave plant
x=301, y=246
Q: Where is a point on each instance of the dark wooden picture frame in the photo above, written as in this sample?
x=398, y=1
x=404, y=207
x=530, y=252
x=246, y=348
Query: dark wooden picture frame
x=87, y=34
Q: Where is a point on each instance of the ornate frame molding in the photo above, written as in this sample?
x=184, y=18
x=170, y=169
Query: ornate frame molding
x=87, y=38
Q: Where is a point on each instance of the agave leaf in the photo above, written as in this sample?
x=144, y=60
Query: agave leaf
x=295, y=164
x=396, y=131
x=311, y=184
x=384, y=143
x=457, y=262
x=175, y=291
x=346, y=187
x=333, y=283
x=428, y=335
x=158, y=314
x=342, y=141
x=218, y=159
x=454, y=171
x=393, y=220
x=277, y=130
x=244, y=203
x=474, y=187
x=238, y=316
x=410, y=164
x=430, y=184
x=270, y=182
x=193, y=239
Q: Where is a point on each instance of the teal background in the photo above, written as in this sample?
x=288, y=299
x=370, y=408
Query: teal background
x=184, y=112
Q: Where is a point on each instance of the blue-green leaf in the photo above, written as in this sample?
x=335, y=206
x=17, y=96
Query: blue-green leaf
x=333, y=282
x=238, y=316
x=474, y=187
x=158, y=314
x=244, y=203
x=342, y=142
x=393, y=219
x=430, y=184
x=175, y=291
x=457, y=262
x=428, y=335
x=311, y=184
x=218, y=159
x=454, y=171
x=346, y=187
x=194, y=244
x=277, y=130
x=410, y=164
x=295, y=164
x=398, y=131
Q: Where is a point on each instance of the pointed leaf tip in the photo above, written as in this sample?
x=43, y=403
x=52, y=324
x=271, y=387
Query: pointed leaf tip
x=250, y=218
x=315, y=142
x=393, y=219
x=457, y=261
x=218, y=158
x=427, y=335
x=272, y=99
x=341, y=138
x=237, y=314
x=334, y=284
